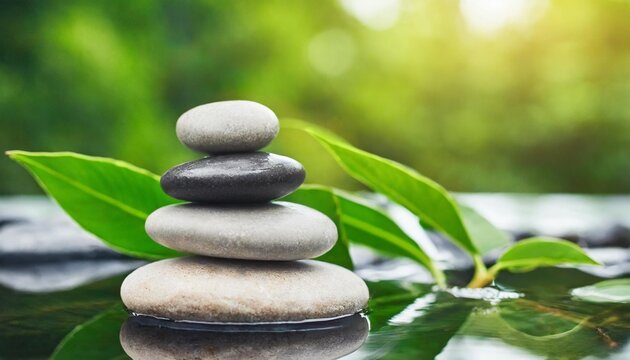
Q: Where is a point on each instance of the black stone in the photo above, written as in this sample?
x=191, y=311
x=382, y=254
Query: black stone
x=234, y=178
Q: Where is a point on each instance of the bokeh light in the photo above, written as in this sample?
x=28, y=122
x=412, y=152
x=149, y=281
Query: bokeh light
x=480, y=95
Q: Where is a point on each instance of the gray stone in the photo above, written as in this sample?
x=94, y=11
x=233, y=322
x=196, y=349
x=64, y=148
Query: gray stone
x=234, y=178
x=238, y=291
x=272, y=231
x=227, y=126
x=332, y=341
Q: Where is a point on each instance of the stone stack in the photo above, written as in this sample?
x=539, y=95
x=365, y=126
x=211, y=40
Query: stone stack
x=247, y=249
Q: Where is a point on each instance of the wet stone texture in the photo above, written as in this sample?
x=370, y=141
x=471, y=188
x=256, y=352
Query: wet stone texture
x=234, y=178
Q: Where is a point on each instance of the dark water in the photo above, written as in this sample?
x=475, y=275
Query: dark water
x=526, y=316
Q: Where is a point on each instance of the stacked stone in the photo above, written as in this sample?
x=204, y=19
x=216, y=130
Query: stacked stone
x=248, y=249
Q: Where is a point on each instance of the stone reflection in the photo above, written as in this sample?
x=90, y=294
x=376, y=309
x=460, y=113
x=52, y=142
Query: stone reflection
x=148, y=338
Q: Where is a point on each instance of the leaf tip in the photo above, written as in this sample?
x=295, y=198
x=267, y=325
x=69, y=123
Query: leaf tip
x=13, y=154
x=16, y=155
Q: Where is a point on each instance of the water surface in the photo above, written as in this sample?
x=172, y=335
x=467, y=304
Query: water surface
x=54, y=277
x=526, y=316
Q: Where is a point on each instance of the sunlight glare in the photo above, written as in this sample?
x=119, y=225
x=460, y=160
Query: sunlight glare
x=489, y=16
x=376, y=14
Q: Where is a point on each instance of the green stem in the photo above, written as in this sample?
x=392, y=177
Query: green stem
x=482, y=276
x=438, y=276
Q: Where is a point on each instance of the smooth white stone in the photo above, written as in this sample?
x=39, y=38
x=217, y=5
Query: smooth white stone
x=227, y=126
x=271, y=231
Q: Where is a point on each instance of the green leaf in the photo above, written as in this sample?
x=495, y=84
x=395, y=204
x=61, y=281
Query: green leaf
x=109, y=198
x=608, y=291
x=361, y=223
x=405, y=186
x=97, y=339
x=323, y=200
x=537, y=252
x=368, y=226
x=371, y=227
x=485, y=235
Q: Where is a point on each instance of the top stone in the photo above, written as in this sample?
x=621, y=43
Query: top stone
x=227, y=127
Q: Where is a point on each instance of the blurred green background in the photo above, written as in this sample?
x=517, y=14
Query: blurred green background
x=481, y=95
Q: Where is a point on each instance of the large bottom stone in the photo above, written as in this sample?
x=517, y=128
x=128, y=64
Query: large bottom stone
x=238, y=291
x=331, y=341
